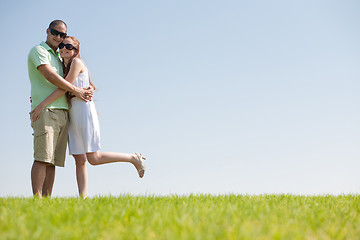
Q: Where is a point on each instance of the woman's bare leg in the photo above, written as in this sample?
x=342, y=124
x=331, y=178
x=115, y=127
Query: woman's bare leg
x=97, y=158
x=81, y=175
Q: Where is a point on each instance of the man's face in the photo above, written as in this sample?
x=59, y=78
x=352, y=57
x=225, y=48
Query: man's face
x=56, y=35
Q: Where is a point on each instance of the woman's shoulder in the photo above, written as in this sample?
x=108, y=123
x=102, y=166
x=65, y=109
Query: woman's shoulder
x=79, y=63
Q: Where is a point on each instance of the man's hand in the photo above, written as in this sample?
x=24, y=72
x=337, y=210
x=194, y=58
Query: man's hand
x=90, y=92
x=83, y=94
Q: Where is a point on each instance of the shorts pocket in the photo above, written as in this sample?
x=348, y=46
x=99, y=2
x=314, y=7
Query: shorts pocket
x=43, y=146
x=51, y=114
x=38, y=133
x=39, y=127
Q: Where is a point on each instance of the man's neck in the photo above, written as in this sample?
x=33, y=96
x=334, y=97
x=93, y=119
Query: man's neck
x=52, y=47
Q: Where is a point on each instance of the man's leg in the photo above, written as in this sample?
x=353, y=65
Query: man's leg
x=49, y=181
x=38, y=172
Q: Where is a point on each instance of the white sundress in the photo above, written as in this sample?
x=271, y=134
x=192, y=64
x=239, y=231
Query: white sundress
x=84, y=130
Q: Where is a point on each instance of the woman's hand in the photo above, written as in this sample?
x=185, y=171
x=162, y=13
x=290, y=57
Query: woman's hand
x=36, y=113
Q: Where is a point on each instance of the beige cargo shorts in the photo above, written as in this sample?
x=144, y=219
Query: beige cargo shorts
x=51, y=136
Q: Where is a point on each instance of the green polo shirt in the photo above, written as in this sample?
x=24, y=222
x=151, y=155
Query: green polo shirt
x=40, y=87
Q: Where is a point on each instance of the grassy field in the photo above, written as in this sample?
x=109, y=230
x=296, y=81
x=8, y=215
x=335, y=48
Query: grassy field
x=182, y=217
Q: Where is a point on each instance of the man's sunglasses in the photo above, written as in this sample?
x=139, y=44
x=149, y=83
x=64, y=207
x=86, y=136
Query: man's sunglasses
x=56, y=33
x=67, y=46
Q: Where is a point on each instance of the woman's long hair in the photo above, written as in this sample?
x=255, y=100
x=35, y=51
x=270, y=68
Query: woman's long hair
x=66, y=69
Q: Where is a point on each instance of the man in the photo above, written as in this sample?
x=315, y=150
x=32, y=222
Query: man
x=51, y=128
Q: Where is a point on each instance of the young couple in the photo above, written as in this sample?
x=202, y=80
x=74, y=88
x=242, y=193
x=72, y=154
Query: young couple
x=62, y=109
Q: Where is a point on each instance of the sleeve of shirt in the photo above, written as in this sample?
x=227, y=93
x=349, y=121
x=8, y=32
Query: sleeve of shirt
x=39, y=56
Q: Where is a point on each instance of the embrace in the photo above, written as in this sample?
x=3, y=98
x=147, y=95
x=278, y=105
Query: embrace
x=63, y=113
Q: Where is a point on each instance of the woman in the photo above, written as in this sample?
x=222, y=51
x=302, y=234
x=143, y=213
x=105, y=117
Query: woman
x=84, y=133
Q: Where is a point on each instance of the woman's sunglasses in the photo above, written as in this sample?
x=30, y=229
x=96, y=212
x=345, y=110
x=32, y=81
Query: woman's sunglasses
x=67, y=46
x=56, y=33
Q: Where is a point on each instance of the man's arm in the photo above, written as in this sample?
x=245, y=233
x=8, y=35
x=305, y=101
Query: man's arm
x=75, y=69
x=60, y=82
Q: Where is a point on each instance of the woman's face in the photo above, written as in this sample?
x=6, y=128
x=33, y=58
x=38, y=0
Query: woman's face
x=64, y=51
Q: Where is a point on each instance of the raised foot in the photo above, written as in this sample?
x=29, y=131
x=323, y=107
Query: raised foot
x=141, y=169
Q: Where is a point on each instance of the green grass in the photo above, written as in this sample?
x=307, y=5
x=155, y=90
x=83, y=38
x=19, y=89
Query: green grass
x=182, y=217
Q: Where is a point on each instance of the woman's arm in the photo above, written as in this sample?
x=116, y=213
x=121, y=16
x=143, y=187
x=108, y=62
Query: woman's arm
x=47, y=71
x=75, y=68
x=78, y=66
x=36, y=113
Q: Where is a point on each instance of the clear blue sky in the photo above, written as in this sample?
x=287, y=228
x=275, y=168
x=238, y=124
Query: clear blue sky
x=243, y=97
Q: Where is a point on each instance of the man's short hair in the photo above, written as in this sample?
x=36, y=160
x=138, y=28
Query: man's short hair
x=57, y=22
